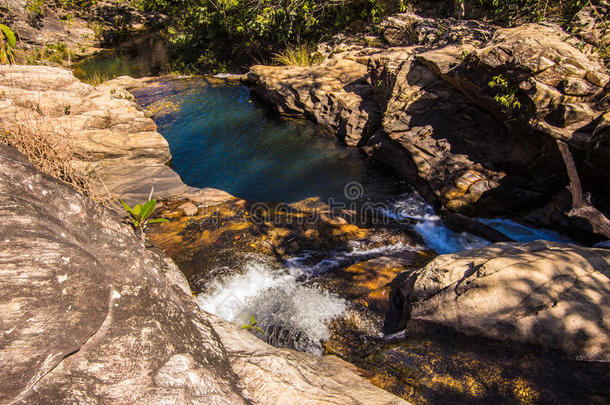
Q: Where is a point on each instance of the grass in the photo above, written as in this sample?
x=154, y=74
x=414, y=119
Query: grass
x=95, y=78
x=48, y=152
x=297, y=55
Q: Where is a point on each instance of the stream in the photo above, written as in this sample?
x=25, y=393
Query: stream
x=221, y=136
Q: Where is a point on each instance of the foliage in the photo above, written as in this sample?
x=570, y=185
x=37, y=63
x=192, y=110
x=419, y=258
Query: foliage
x=252, y=325
x=298, y=55
x=506, y=95
x=208, y=32
x=8, y=41
x=140, y=215
x=50, y=153
x=516, y=11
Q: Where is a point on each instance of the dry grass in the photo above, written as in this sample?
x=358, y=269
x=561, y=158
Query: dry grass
x=299, y=55
x=50, y=153
x=95, y=79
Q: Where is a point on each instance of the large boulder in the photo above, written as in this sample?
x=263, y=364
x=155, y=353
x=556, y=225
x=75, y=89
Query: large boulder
x=444, y=139
x=550, y=294
x=89, y=315
x=334, y=93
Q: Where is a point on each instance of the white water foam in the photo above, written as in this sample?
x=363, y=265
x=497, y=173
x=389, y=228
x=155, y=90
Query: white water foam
x=334, y=260
x=290, y=312
x=411, y=207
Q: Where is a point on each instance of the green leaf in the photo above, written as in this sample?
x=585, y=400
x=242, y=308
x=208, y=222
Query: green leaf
x=246, y=326
x=9, y=34
x=137, y=210
x=148, y=208
x=158, y=221
x=127, y=207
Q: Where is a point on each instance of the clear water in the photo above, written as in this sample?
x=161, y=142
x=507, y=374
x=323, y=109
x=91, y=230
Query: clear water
x=221, y=137
x=142, y=56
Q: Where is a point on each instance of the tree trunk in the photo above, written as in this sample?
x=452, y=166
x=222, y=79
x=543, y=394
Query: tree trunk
x=580, y=208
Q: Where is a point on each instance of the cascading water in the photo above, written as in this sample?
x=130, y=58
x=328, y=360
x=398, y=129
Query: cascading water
x=413, y=208
x=289, y=311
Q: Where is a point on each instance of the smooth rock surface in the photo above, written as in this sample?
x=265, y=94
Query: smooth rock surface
x=550, y=294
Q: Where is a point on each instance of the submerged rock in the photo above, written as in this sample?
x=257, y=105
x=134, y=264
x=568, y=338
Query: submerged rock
x=545, y=293
x=88, y=314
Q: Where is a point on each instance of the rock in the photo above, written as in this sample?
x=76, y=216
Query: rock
x=542, y=70
x=440, y=141
x=109, y=134
x=333, y=93
x=189, y=208
x=88, y=315
x=409, y=29
x=545, y=293
x=590, y=23
x=369, y=282
x=226, y=234
x=278, y=376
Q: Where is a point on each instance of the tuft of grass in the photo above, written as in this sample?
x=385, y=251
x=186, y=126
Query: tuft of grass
x=50, y=153
x=95, y=78
x=297, y=55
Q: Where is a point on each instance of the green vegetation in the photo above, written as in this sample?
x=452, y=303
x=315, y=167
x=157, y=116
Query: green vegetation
x=95, y=78
x=297, y=55
x=8, y=41
x=140, y=215
x=511, y=12
x=506, y=95
x=252, y=325
x=206, y=33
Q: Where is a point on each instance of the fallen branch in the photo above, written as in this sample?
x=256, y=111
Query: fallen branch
x=580, y=208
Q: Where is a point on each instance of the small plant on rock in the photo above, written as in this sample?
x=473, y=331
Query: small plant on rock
x=140, y=215
x=506, y=95
x=252, y=325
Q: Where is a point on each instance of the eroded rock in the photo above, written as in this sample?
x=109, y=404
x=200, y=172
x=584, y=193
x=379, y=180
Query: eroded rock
x=550, y=294
x=110, y=136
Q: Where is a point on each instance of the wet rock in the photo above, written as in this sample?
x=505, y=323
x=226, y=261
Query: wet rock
x=432, y=365
x=550, y=294
x=223, y=235
x=88, y=314
x=189, y=209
